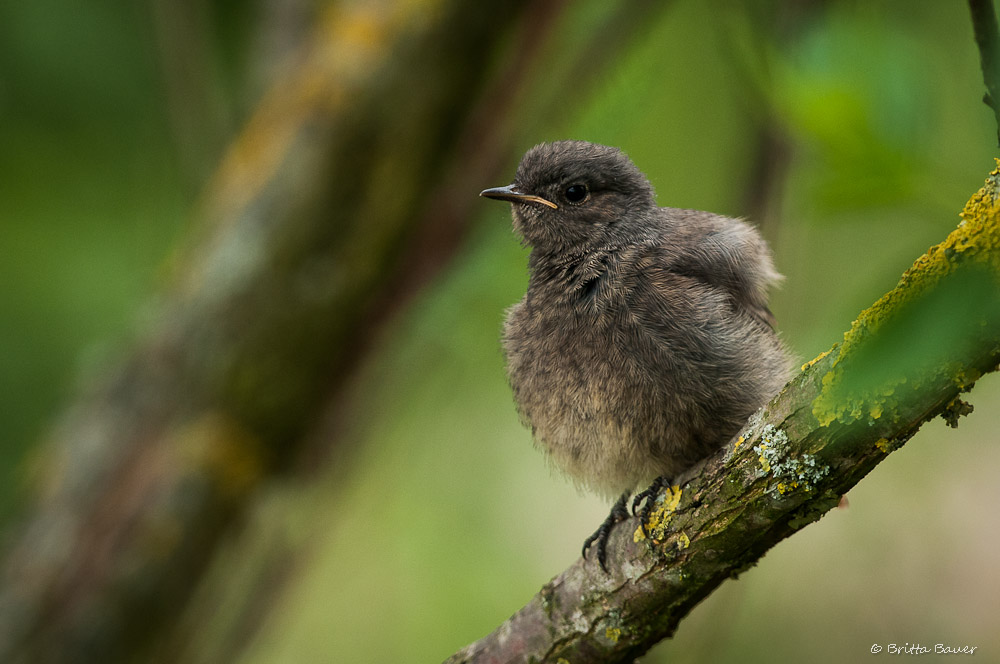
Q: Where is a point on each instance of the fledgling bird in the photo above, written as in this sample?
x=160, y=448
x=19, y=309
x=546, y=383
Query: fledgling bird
x=644, y=341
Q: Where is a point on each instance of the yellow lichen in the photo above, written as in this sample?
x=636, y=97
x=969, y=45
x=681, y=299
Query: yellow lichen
x=764, y=463
x=217, y=445
x=814, y=360
x=883, y=445
x=350, y=46
x=787, y=487
x=660, y=516
x=739, y=441
x=613, y=634
x=683, y=541
x=966, y=378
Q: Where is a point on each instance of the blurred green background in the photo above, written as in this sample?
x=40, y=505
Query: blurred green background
x=445, y=520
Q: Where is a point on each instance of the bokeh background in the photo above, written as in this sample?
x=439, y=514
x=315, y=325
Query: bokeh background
x=851, y=132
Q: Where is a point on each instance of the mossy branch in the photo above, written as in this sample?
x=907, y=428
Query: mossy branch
x=905, y=360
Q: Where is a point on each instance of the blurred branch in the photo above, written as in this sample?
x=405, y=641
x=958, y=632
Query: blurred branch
x=840, y=417
x=984, y=26
x=279, y=27
x=270, y=307
x=351, y=185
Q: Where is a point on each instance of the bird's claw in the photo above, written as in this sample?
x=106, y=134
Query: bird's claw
x=646, y=498
x=619, y=512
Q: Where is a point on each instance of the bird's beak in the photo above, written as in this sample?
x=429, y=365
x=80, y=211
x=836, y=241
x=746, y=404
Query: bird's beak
x=513, y=194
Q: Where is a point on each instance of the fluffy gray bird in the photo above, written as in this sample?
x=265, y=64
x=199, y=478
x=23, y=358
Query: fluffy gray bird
x=644, y=341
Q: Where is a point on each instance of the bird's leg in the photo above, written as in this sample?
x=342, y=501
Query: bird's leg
x=648, y=496
x=619, y=512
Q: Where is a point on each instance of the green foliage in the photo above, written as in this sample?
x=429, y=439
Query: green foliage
x=90, y=201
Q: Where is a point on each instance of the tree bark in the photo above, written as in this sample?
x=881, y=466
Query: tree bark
x=905, y=360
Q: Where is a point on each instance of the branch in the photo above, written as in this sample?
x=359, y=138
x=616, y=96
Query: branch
x=905, y=360
x=984, y=26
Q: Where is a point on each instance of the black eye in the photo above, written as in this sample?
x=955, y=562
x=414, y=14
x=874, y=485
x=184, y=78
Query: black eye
x=576, y=193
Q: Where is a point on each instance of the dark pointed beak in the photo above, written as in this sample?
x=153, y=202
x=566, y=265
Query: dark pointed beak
x=514, y=195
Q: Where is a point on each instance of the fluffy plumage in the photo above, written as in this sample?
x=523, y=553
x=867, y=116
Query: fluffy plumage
x=644, y=340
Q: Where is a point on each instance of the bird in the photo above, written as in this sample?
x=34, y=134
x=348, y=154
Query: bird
x=644, y=340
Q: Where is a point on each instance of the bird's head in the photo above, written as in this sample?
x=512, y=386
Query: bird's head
x=576, y=196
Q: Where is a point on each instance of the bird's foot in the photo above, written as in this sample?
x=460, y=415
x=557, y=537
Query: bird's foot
x=618, y=514
x=647, y=499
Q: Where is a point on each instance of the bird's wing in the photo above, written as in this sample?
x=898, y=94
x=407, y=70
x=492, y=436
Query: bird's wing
x=729, y=255
x=700, y=280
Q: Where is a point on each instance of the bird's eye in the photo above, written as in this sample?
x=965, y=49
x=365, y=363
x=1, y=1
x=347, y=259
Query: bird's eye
x=576, y=193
